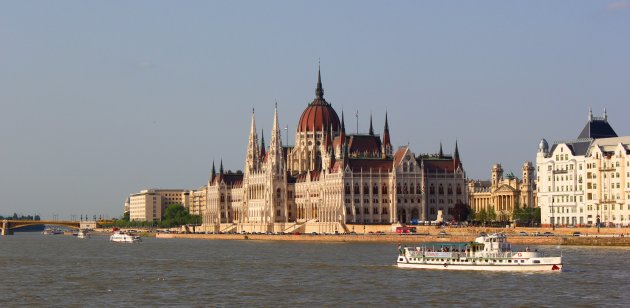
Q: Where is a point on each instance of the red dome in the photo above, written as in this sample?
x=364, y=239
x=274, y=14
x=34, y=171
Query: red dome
x=318, y=116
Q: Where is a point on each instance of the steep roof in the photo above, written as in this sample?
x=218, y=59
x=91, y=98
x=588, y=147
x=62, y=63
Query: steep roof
x=597, y=128
x=364, y=144
x=443, y=164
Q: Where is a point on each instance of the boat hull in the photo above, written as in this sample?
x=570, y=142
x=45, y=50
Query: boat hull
x=496, y=268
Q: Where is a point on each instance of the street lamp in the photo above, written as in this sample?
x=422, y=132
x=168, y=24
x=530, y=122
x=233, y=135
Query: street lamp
x=553, y=217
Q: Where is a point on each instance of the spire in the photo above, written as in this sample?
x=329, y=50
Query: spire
x=387, y=144
x=213, y=173
x=319, y=92
x=441, y=152
x=221, y=167
x=275, y=156
x=343, y=125
x=590, y=114
x=605, y=115
x=456, y=155
x=371, y=128
x=262, y=144
x=253, y=159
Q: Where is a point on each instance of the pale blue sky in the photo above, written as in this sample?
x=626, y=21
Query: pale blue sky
x=100, y=99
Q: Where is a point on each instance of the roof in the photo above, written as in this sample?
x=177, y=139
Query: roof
x=597, y=128
x=611, y=144
x=365, y=165
x=578, y=147
x=446, y=164
x=364, y=144
x=230, y=179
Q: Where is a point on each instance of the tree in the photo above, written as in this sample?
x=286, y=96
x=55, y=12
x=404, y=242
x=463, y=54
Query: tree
x=177, y=215
x=460, y=212
x=482, y=216
x=492, y=215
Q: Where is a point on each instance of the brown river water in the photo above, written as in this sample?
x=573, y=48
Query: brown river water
x=62, y=271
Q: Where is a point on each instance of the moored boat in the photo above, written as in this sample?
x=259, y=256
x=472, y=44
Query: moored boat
x=486, y=253
x=51, y=231
x=83, y=233
x=122, y=237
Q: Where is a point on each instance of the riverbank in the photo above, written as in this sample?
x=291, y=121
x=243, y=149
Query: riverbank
x=412, y=239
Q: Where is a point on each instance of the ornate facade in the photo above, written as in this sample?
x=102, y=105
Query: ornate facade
x=328, y=179
x=586, y=180
x=503, y=193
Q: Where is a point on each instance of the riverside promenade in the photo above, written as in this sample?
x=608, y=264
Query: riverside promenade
x=561, y=236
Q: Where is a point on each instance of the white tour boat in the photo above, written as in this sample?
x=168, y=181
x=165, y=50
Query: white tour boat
x=122, y=237
x=50, y=231
x=486, y=253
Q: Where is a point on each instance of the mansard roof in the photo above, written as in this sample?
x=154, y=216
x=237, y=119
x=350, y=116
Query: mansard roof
x=439, y=164
x=597, y=128
x=577, y=147
x=230, y=179
x=364, y=144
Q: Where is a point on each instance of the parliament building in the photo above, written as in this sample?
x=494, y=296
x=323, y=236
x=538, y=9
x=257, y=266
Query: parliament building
x=329, y=180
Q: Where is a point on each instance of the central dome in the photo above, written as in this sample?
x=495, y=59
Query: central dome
x=319, y=115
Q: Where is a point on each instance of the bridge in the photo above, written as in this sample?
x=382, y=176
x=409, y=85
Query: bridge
x=8, y=226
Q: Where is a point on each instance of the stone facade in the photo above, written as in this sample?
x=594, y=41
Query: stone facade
x=585, y=179
x=328, y=180
x=149, y=204
x=503, y=193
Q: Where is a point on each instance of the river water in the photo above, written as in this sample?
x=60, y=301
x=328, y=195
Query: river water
x=39, y=270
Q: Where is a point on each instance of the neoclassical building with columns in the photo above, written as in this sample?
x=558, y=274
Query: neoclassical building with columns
x=504, y=193
x=329, y=180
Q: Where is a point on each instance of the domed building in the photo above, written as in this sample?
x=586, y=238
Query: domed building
x=329, y=181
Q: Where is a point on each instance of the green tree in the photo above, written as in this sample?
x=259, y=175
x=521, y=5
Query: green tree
x=177, y=215
x=492, y=215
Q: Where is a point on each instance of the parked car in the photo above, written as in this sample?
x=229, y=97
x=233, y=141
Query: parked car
x=577, y=233
x=523, y=233
x=548, y=234
x=442, y=234
x=536, y=233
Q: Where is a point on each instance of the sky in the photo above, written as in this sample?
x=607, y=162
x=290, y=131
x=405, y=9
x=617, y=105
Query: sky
x=101, y=99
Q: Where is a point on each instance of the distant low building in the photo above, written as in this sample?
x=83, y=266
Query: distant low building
x=503, y=193
x=149, y=204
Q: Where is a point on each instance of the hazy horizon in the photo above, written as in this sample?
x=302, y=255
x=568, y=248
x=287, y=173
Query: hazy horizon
x=101, y=99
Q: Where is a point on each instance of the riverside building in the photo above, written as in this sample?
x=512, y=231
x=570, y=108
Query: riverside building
x=149, y=204
x=503, y=193
x=586, y=180
x=329, y=179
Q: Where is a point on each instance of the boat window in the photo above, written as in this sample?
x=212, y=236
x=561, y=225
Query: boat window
x=509, y=261
x=522, y=261
x=536, y=261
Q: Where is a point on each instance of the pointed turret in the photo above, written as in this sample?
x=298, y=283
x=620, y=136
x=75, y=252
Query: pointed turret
x=371, y=127
x=253, y=158
x=275, y=157
x=213, y=172
x=221, y=167
x=456, y=155
x=441, y=152
x=387, y=144
x=262, y=145
x=319, y=92
x=605, y=115
x=590, y=114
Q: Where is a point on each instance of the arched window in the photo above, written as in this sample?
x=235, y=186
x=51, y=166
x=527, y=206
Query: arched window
x=459, y=189
x=432, y=190
x=398, y=191
x=348, y=211
x=375, y=189
x=384, y=211
x=441, y=190
x=347, y=189
x=375, y=210
x=418, y=190
x=356, y=189
x=366, y=189
x=222, y=198
x=450, y=189
x=384, y=190
x=405, y=190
